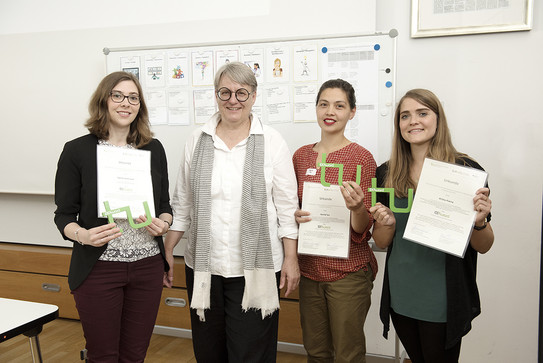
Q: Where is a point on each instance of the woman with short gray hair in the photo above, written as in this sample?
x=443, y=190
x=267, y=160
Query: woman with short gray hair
x=236, y=196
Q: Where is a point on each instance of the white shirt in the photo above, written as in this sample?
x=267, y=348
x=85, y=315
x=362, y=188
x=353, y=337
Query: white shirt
x=226, y=189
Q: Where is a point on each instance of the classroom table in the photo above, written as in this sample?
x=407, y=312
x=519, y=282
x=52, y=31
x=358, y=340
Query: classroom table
x=25, y=317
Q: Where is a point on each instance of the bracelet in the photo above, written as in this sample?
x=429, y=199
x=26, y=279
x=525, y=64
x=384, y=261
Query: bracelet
x=77, y=236
x=477, y=228
x=169, y=224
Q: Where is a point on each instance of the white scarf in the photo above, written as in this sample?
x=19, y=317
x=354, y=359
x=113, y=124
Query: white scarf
x=258, y=269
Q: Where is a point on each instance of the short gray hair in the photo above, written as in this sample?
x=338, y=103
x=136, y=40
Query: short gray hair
x=237, y=72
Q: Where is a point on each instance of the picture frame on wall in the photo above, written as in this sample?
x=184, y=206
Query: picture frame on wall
x=436, y=18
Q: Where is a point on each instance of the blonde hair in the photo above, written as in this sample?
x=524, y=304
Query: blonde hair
x=440, y=148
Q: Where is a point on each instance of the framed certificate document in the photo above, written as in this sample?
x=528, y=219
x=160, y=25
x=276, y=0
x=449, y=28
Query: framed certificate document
x=124, y=181
x=442, y=214
x=328, y=232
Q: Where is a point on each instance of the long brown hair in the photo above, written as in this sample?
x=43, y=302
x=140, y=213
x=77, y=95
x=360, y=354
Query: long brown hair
x=440, y=148
x=98, y=123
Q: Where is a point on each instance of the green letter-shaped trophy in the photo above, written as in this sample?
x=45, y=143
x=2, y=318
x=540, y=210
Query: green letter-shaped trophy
x=109, y=214
x=323, y=165
x=374, y=190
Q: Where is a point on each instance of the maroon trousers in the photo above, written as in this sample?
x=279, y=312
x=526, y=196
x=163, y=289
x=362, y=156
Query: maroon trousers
x=118, y=304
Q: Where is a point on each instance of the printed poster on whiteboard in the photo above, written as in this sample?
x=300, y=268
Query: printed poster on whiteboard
x=202, y=68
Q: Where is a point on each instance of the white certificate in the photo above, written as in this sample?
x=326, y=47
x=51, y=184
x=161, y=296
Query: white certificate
x=442, y=214
x=328, y=232
x=124, y=181
x=204, y=104
x=304, y=102
x=178, y=107
x=278, y=104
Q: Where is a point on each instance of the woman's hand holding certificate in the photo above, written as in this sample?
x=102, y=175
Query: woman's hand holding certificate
x=124, y=180
x=327, y=233
x=443, y=211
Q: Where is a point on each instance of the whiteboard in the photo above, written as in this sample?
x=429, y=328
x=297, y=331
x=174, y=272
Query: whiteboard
x=366, y=61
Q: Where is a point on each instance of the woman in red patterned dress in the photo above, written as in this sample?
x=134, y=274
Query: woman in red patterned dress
x=335, y=293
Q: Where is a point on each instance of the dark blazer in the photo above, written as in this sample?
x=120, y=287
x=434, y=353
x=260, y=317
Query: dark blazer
x=77, y=200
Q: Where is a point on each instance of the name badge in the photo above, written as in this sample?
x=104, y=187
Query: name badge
x=311, y=172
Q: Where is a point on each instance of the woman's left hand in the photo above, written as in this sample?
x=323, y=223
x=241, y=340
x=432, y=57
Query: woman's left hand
x=482, y=204
x=353, y=195
x=157, y=227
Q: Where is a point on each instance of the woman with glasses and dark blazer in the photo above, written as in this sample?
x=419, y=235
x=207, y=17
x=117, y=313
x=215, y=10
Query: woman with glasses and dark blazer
x=116, y=271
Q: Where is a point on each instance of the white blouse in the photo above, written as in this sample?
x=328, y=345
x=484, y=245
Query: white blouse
x=226, y=190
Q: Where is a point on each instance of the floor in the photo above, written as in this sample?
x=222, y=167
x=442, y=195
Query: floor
x=62, y=339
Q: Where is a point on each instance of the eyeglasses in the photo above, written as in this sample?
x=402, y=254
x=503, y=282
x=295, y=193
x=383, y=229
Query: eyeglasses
x=225, y=94
x=118, y=97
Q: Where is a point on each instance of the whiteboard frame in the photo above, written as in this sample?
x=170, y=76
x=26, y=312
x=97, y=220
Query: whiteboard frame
x=386, y=97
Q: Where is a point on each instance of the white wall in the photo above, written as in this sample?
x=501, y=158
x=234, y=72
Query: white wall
x=50, y=75
x=491, y=89
x=51, y=70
